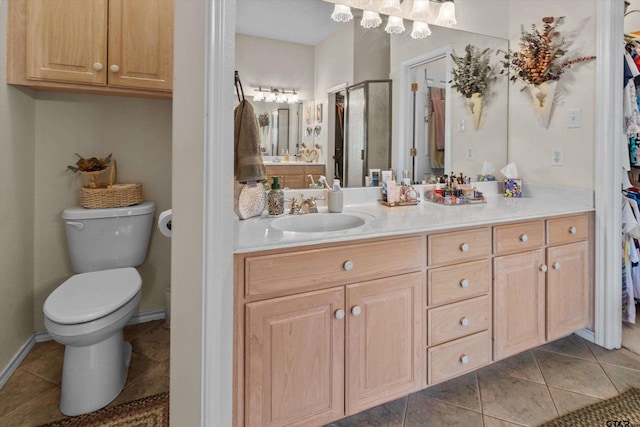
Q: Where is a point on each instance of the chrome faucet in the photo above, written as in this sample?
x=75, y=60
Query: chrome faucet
x=304, y=206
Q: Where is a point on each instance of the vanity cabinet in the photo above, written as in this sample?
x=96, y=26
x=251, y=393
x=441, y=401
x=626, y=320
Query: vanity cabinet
x=117, y=47
x=350, y=343
x=295, y=175
x=541, y=293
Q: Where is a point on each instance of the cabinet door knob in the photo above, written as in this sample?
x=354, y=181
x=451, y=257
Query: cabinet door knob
x=464, y=247
x=524, y=238
x=464, y=283
x=464, y=359
x=356, y=310
x=114, y=68
x=573, y=230
x=556, y=266
x=543, y=268
x=464, y=321
x=97, y=66
x=348, y=265
x=340, y=314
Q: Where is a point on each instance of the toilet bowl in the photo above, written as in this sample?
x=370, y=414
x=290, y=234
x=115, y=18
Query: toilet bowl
x=87, y=313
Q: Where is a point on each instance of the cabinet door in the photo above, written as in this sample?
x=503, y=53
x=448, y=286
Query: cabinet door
x=141, y=44
x=519, y=303
x=294, y=367
x=567, y=289
x=66, y=41
x=384, y=358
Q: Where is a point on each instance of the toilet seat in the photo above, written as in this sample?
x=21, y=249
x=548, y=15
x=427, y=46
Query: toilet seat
x=89, y=296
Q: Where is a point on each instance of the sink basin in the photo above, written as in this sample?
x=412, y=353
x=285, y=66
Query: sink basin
x=320, y=222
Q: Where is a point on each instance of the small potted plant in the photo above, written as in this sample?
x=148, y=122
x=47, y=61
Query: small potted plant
x=91, y=167
x=542, y=59
x=472, y=77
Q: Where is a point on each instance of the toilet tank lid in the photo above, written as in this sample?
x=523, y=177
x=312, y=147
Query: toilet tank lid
x=78, y=212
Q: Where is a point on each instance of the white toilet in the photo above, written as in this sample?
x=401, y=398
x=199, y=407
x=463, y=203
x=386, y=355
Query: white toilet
x=88, y=311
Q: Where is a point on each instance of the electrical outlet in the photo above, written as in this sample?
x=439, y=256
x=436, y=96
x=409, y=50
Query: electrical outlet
x=574, y=118
x=462, y=125
x=469, y=153
x=557, y=156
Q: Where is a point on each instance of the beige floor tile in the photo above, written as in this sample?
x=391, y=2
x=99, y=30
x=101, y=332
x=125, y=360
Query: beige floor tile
x=461, y=391
x=573, y=374
x=154, y=344
x=154, y=381
x=513, y=399
x=131, y=332
x=567, y=401
x=139, y=365
x=523, y=366
x=572, y=345
x=47, y=365
x=426, y=412
x=21, y=388
x=623, y=378
x=495, y=422
x=40, y=349
x=43, y=409
x=621, y=357
x=389, y=415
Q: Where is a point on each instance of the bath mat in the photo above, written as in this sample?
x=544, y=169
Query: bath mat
x=622, y=410
x=152, y=411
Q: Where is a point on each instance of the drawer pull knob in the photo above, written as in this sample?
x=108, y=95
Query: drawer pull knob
x=524, y=238
x=340, y=314
x=114, y=68
x=356, y=310
x=573, y=230
x=543, y=268
x=97, y=66
x=556, y=266
x=464, y=283
x=464, y=321
x=348, y=266
x=464, y=247
x=464, y=359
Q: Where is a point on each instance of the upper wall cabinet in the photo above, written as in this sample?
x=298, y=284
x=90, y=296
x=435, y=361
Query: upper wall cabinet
x=115, y=47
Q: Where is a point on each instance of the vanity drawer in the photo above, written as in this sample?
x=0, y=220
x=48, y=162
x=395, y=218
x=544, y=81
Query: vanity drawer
x=458, y=320
x=314, y=169
x=454, y=247
x=315, y=268
x=457, y=357
x=567, y=229
x=518, y=237
x=458, y=282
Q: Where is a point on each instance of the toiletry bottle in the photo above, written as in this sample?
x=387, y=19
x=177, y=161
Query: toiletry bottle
x=286, y=156
x=276, y=198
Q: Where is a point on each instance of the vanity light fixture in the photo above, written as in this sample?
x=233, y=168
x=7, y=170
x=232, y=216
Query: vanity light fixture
x=276, y=95
x=370, y=19
x=341, y=13
x=447, y=14
x=420, y=11
x=395, y=25
x=420, y=30
x=389, y=7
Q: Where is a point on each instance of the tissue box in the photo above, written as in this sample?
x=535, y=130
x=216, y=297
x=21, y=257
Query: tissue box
x=512, y=188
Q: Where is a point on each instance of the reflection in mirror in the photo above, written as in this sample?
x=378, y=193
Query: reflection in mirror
x=277, y=126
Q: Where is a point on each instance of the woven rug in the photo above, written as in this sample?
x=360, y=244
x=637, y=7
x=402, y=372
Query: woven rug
x=622, y=410
x=152, y=411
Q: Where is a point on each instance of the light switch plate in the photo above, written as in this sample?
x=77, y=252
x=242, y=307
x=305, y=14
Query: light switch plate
x=574, y=118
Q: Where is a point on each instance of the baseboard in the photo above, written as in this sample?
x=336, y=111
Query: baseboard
x=587, y=334
x=16, y=361
x=42, y=336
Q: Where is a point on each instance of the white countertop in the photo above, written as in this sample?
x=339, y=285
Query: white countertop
x=538, y=201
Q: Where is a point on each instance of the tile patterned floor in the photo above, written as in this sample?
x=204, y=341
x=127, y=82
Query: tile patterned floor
x=32, y=394
x=524, y=390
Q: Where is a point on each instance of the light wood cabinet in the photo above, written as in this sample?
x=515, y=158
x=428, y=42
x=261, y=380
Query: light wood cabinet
x=295, y=175
x=112, y=47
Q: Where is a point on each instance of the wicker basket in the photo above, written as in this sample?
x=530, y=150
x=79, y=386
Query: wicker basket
x=112, y=196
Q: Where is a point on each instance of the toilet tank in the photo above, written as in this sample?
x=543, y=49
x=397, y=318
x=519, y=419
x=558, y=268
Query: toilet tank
x=102, y=239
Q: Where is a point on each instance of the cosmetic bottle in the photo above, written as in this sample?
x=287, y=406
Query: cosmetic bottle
x=276, y=198
x=335, y=198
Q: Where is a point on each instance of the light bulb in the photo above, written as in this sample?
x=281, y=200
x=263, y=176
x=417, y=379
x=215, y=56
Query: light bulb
x=360, y=4
x=370, y=19
x=420, y=10
x=341, y=13
x=394, y=25
x=389, y=7
x=447, y=15
x=420, y=30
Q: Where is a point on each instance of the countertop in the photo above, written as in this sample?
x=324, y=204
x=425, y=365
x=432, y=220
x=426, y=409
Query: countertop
x=538, y=201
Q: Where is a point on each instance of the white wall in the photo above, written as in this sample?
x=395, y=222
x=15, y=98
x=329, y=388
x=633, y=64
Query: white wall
x=17, y=113
x=530, y=143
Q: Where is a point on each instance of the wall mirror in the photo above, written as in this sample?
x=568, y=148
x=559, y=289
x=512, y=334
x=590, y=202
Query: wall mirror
x=404, y=61
x=278, y=127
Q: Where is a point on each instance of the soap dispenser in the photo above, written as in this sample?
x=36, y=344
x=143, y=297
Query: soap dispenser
x=276, y=198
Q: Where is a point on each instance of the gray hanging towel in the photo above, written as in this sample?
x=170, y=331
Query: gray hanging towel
x=248, y=164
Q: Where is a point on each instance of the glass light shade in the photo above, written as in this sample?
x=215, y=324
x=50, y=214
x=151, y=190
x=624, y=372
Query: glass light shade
x=370, y=19
x=394, y=25
x=420, y=10
x=341, y=13
x=293, y=98
x=447, y=15
x=420, y=30
x=259, y=96
x=271, y=97
x=282, y=98
x=390, y=6
x=360, y=4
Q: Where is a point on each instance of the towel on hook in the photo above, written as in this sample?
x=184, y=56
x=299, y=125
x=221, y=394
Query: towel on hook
x=248, y=164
